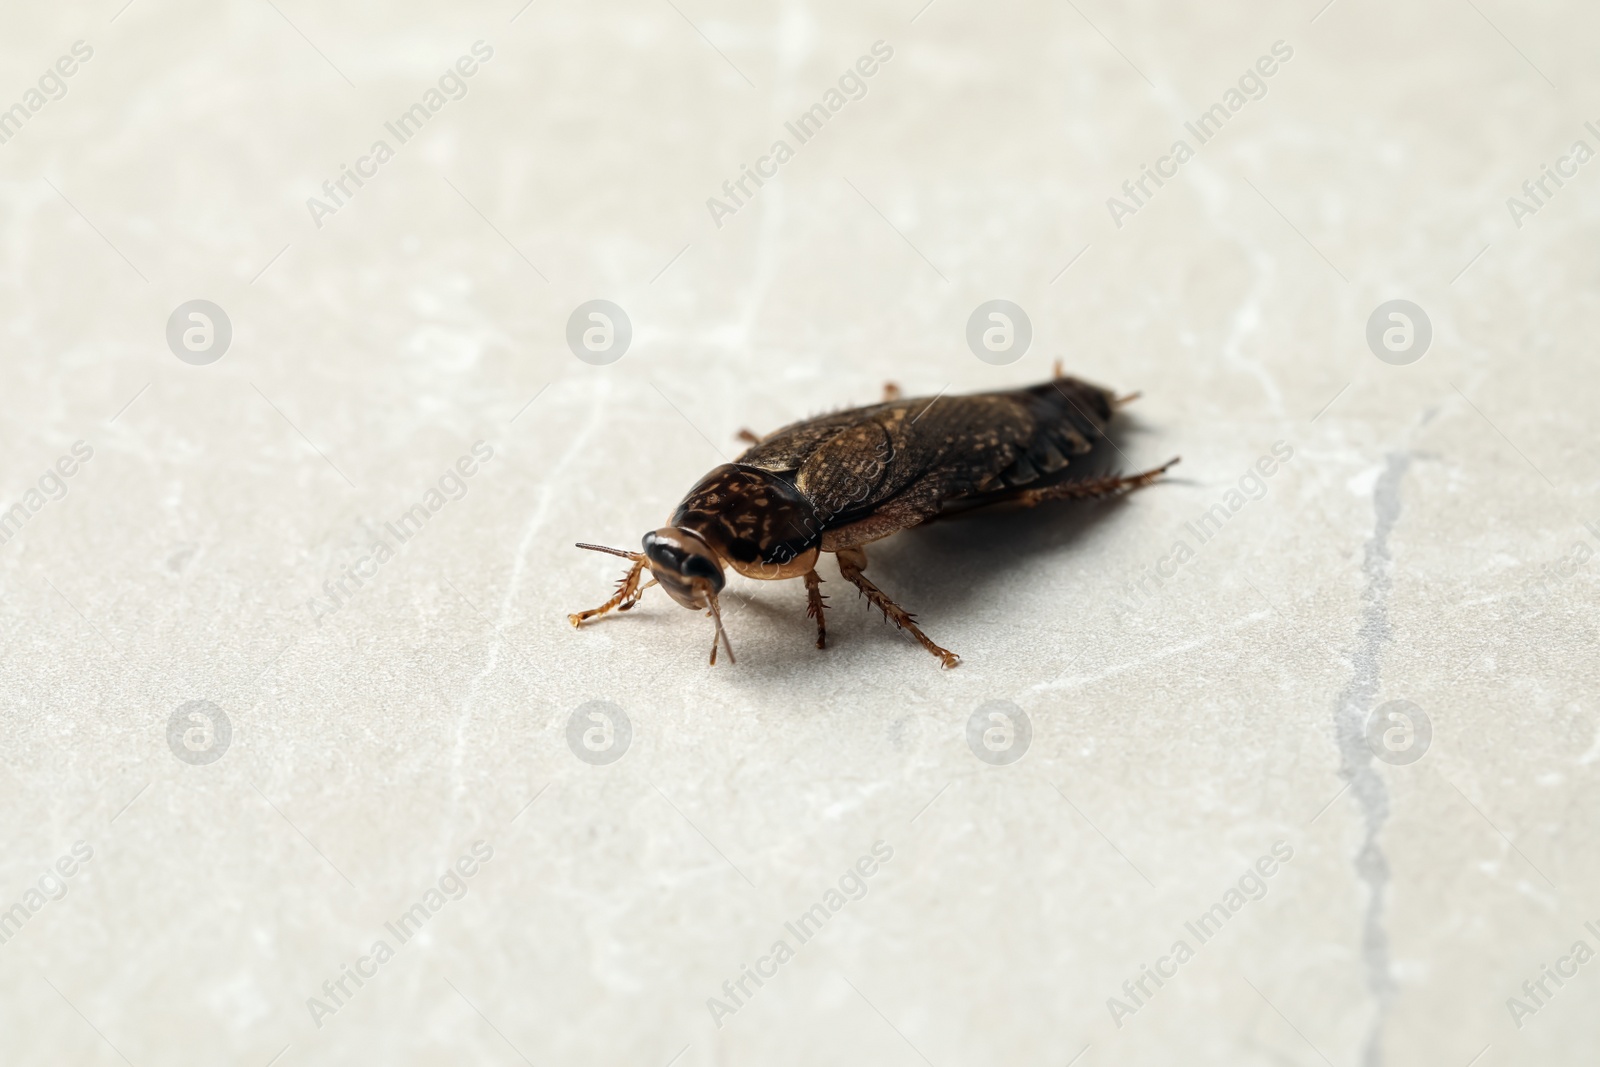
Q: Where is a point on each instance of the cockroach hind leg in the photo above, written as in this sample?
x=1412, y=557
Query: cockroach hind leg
x=815, y=607
x=628, y=588
x=852, y=561
x=1095, y=488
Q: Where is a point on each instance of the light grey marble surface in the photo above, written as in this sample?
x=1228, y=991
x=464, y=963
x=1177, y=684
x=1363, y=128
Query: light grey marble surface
x=1420, y=544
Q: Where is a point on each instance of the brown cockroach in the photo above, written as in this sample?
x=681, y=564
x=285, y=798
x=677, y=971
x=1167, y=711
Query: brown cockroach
x=838, y=482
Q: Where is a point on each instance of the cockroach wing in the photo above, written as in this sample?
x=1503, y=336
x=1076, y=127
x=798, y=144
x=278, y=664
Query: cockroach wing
x=785, y=449
x=940, y=450
x=964, y=440
x=852, y=470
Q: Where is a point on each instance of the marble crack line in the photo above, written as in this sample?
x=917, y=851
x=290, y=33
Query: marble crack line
x=1246, y=322
x=1356, y=759
x=1061, y=681
x=579, y=444
x=1079, y=681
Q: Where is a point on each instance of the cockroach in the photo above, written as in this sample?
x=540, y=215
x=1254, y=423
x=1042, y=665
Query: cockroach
x=838, y=482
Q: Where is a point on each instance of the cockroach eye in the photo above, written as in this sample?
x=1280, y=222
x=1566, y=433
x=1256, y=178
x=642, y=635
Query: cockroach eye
x=700, y=567
x=682, y=554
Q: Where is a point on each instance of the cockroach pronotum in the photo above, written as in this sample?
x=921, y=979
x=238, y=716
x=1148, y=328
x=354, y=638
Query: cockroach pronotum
x=838, y=482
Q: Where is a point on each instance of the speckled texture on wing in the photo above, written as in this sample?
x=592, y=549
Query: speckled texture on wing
x=950, y=448
x=951, y=444
x=787, y=447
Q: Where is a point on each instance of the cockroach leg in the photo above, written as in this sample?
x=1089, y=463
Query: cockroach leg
x=1124, y=401
x=814, y=606
x=634, y=599
x=720, y=634
x=748, y=436
x=1094, y=488
x=852, y=561
x=891, y=391
x=627, y=593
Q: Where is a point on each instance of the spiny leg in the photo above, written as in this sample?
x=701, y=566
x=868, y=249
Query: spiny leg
x=814, y=607
x=637, y=593
x=627, y=590
x=852, y=561
x=1094, y=488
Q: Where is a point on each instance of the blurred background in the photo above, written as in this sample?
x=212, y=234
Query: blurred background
x=284, y=283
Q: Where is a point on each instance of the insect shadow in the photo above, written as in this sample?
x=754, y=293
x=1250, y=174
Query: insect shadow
x=940, y=571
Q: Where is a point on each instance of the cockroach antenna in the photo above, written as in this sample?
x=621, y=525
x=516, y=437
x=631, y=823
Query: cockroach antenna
x=635, y=556
x=716, y=614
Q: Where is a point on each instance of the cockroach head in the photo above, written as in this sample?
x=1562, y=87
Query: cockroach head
x=684, y=565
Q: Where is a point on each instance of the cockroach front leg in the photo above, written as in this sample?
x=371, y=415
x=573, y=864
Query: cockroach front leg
x=814, y=606
x=748, y=436
x=627, y=594
x=852, y=561
x=637, y=593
